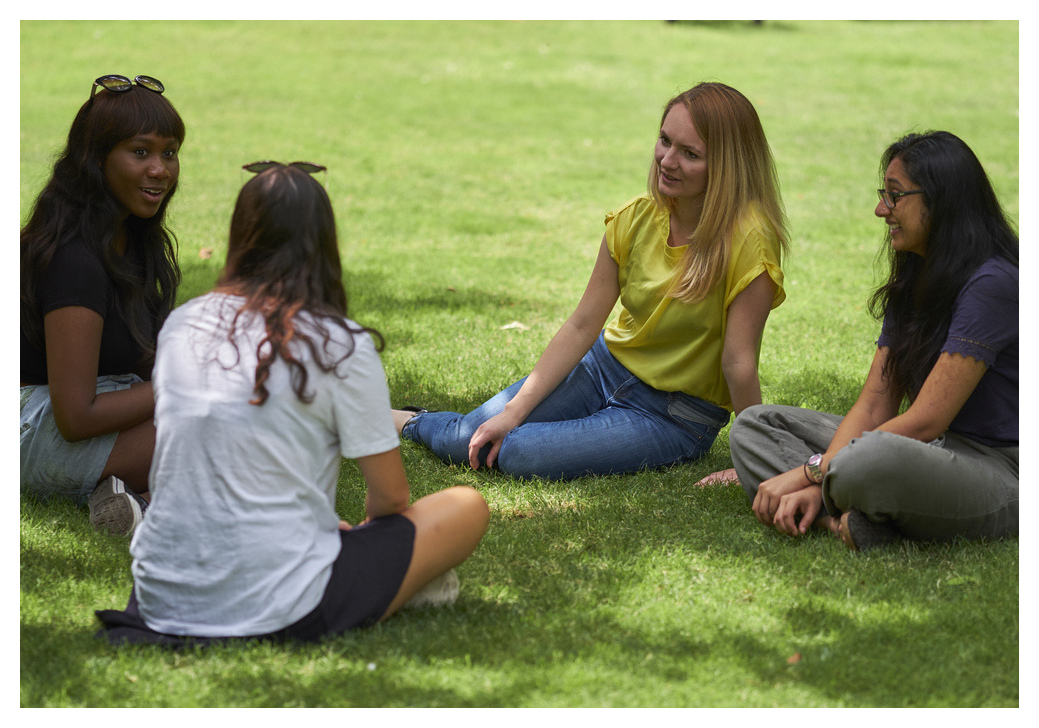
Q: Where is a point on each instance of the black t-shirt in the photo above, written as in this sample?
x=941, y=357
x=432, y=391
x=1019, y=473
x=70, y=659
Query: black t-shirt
x=75, y=277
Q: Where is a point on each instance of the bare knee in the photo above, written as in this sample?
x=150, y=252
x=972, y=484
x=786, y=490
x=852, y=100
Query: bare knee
x=131, y=456
x=448, y=527
x=472, y=507
x=457, y=514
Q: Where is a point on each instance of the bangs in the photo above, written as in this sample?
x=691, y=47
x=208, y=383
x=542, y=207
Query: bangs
x=118, y=116
x=155, y=115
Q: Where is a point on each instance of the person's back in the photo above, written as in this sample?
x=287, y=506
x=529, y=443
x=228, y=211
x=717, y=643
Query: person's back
x=261, y=387
x=246, y=494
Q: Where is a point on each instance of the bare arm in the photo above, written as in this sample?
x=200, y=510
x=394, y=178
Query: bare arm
x=947, y=388
x=746, y=322
x=73, y=340
x=388, y=491
x=951, y=382
x=876, y=404
x=564, y=351
x=945, y=391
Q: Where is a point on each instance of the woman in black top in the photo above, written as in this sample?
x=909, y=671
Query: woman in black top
x=98, y=277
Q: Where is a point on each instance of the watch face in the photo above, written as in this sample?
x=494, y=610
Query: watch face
x=813, y=469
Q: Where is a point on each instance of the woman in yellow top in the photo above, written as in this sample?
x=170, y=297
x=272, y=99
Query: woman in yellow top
x=696, y=266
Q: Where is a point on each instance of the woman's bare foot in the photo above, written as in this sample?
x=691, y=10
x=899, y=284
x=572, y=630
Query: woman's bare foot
x=830, y=523
x=401, y=418
x=722, y=477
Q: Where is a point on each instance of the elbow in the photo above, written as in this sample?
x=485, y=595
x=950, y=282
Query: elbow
x=928, y=431
x=392, y=503
x=739, y=373
x=69, y=430
x=924, y=429
x=400, y=504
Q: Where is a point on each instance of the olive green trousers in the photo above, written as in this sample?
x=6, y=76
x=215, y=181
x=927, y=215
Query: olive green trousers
x=932, y=491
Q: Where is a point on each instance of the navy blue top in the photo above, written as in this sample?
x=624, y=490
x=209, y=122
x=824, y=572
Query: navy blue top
x=984, y=326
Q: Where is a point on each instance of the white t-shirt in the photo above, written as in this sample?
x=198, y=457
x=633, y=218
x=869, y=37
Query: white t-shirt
x=242, y=529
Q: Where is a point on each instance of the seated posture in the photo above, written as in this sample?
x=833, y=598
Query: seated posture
x=946, y=466
x=261, y=387
x=696, y=266
x=99, y=276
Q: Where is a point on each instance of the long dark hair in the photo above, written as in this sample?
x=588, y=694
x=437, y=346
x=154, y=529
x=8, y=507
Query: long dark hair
x=283, y=258
x=77, y=204
x=967, y=227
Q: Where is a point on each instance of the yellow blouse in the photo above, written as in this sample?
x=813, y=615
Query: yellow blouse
x=671, y=345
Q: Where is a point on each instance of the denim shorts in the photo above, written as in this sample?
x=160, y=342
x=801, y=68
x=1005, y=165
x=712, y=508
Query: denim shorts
x=51, y=465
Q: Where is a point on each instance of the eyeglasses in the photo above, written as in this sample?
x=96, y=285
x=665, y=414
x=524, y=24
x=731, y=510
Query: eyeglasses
x=119, y=84
x=891, y=198
x=308, y=167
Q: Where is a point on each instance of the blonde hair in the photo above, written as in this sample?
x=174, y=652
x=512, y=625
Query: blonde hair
x=740, y=173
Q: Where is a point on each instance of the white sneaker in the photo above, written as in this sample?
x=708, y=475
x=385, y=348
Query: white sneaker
x=438, y=593
x=115, y=508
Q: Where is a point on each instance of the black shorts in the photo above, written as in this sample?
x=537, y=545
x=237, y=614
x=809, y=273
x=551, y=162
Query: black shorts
x=366, y=576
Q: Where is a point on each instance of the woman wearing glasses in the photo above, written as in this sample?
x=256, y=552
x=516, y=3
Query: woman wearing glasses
x=98, y=277
x=695, y=264
x=946, y=465
x=262, y=386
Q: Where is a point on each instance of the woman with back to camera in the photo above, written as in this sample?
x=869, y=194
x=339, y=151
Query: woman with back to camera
x=947, y=465
x=261, y=387
x=696, y=266
x=98, y=277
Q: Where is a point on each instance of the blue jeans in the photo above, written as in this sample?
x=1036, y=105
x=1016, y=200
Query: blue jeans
x=601, y=419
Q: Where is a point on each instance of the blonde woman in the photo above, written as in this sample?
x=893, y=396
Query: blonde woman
x=695, y=264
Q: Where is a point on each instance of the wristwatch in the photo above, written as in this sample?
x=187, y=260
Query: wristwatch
x=814, y=469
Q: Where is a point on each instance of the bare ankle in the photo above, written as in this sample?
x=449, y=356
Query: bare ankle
x=828, y=522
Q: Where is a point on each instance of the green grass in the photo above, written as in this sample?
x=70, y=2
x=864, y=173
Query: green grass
x=470, y=165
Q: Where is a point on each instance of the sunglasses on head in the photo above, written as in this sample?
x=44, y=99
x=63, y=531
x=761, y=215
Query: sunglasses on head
x=308, y=167
x=119, y=84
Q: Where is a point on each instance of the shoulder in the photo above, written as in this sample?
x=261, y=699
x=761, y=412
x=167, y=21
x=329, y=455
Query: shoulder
x=216, y=303
x=639, y=218
x=753, y=225
x=341, y=339
x=641, y=206
x=357, y=362
x=754, y=241
x=996, y=270
x=75, y=257
x=996, y=278
x=755, y=248
x=74, y=277
x=208, y=313
x=985, y=317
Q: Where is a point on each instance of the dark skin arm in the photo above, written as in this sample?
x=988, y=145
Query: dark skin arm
x=73, y=341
